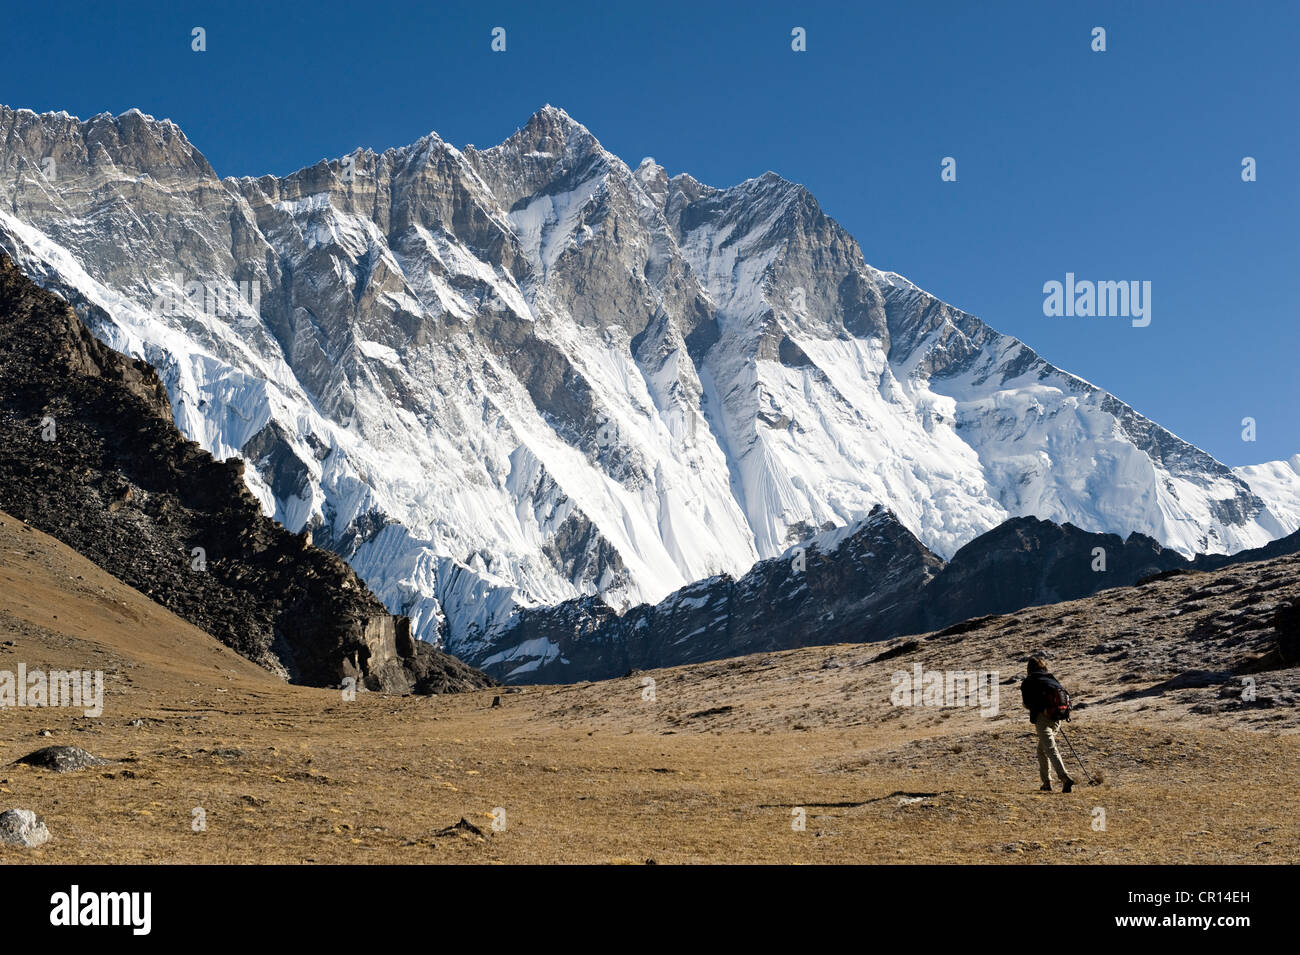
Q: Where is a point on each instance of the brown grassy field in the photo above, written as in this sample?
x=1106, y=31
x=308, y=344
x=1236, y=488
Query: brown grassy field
x=712, y=769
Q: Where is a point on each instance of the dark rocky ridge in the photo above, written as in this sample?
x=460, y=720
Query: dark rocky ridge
x=869, y=582
x=1275, y=548
x=117, y=482
x=843, y=586
x=1026, y=562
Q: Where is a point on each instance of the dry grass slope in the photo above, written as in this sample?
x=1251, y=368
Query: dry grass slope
x=711, y=770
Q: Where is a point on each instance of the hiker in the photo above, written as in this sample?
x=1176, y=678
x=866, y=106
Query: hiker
x=1048, y=704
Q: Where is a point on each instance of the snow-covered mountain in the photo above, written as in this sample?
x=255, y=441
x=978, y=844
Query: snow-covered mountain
x=1278, y=483
x=514, y=376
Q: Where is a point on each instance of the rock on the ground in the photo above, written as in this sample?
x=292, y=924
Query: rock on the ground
x=63, y=759
x=22, y=827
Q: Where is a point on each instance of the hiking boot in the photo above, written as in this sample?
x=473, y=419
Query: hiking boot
x=1046, y=788
x=1069, y=784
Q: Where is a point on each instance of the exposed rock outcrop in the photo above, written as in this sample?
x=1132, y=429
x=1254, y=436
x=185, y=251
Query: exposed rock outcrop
x=852, y=584
x=62, y=759
x=866, y=582
x=89, y=454
x=1026, y=562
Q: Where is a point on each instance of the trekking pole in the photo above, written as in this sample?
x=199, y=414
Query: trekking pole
x=1091, y=781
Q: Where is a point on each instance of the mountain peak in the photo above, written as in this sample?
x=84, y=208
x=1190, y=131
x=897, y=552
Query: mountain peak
x=551, y=121
x=549, y=135
x=653, y=180
x=555, y=114
x=132, y=141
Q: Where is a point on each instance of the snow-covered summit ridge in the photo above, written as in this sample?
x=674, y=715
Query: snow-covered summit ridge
x=515, y=375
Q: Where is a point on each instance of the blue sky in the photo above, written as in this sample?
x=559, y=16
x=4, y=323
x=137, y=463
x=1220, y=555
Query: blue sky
x=1122, y=165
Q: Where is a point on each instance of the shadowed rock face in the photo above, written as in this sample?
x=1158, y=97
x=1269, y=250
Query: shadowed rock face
x=89, y=454
x=1278, y=548
x=1025, y=562
x=869, y=582
x=853, y=584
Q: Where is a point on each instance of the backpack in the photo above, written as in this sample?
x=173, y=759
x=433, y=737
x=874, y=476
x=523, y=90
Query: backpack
x=1056, y=701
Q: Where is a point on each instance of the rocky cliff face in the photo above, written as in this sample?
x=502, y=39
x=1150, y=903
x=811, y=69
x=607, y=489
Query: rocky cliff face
x=1277, y=548
x=855, y=583
x=493, y=379
x=89, y=454
x=1027, y=562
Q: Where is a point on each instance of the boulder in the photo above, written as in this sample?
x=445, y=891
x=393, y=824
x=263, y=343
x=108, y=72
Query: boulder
x=22, y=827
x=62, y=759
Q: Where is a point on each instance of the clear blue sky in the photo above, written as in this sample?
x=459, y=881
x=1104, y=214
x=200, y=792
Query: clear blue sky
x=1117, y=165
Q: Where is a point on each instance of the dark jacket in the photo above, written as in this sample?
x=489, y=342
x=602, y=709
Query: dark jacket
x=1035, y=692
